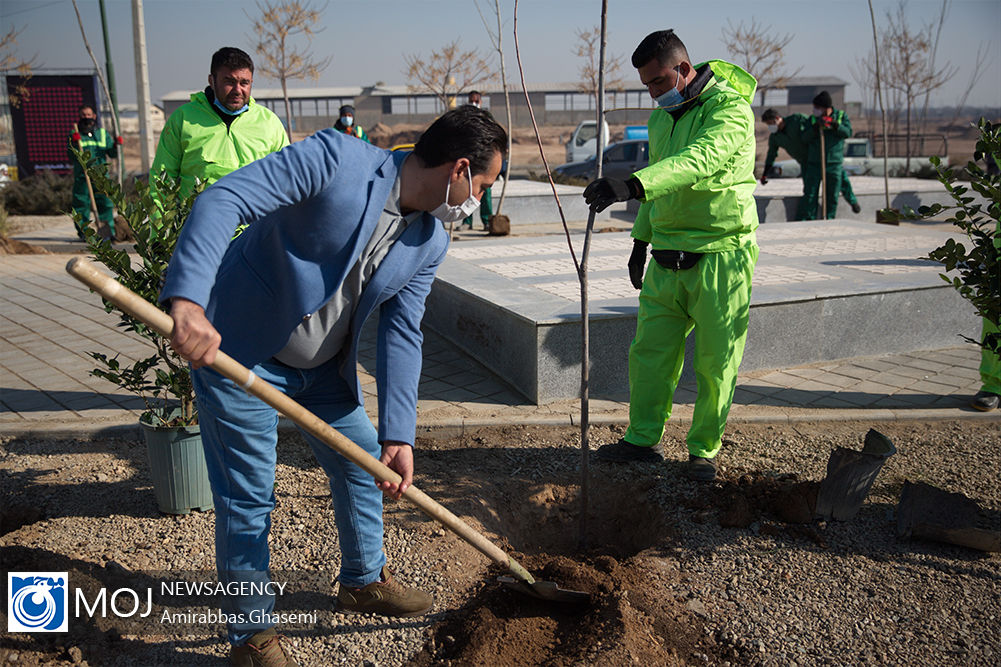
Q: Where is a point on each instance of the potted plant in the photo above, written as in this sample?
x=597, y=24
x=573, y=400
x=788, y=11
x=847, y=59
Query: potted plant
x=163, y=380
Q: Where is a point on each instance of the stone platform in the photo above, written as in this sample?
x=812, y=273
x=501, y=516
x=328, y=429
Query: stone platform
x=822, y=291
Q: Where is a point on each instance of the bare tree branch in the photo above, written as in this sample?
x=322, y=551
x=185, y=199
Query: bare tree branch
x=11, y=62
x=447, y=72
x=588, y=48
x=279, y=25
x=759, y=52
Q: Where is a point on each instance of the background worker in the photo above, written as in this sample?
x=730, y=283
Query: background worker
x=698, y=212
x=346, y=123
x=90, y=138
x=338, y=230
x=220, y=130
x=787, y=133
x=836, y=127
x=475, y=98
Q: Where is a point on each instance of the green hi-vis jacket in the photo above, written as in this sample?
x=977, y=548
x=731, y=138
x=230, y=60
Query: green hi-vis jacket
x=790, y=137
x=98, y=143
x=834, y=139
x=699, y=187
x=195, y=142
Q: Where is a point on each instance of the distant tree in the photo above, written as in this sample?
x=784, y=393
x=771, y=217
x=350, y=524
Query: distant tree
x=588, y=48
x=447, y=72
x=910, y=71
x=279, y=24
x=496, y=41
x=759, y=52
x=11, y=62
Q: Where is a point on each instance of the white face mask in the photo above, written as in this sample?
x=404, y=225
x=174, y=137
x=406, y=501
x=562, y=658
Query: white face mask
x=448, y=214
x=818, y=112
x=773, y=128
x=346, y=121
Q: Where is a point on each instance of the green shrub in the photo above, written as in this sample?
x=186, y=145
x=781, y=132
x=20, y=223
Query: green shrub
x=43, y=193
x=975, y=266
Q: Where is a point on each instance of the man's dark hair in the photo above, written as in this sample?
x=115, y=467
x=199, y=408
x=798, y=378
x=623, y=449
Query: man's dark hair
x=770, y=114
x=86, y=106
x=462, y=132
x=823, y=100
x=232, y=58
x=473, y=92
x=662, y=46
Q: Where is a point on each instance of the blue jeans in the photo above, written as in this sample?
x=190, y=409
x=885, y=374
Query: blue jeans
x=239, y=434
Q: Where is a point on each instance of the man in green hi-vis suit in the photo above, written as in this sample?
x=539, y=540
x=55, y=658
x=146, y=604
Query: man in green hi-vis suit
x=698, y=213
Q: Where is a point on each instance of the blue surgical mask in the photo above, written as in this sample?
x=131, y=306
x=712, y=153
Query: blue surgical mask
x=346, y=121
x=672, y=99
x=222, y=107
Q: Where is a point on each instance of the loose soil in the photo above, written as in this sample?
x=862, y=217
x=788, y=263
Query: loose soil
x=86, y=507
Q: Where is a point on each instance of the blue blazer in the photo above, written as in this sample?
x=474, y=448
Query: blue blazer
x=311, y=208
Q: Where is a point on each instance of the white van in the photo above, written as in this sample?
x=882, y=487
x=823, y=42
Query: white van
x=583, y=142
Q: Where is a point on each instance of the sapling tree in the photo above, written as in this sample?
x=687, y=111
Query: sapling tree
x=163, y=379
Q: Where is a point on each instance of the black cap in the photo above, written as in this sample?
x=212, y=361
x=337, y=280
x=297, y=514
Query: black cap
x=347, y=108
x=823, y=100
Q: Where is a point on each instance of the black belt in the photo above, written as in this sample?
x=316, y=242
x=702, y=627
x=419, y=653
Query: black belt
x=676, y=260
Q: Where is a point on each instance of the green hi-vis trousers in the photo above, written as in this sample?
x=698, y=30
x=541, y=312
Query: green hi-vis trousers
x=990, y=364
x=712, y=298
x=81, y=204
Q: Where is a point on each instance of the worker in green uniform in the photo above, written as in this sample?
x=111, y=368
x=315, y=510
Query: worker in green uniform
x=475, y=98
x=220, y=130
x=698, y=213
x=836, y=128
x=989, y=396
x=346, y=123
x=787, y=133
x=90, y=138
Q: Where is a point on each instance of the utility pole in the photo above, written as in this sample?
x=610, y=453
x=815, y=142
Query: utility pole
x=110, y=69
x=142, y=86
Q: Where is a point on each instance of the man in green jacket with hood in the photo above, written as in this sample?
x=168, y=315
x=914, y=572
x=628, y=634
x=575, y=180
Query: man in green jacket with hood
x=698, y=213
x=221, y=129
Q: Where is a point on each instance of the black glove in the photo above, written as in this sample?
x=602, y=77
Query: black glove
x=637, y=263
x=604, y=192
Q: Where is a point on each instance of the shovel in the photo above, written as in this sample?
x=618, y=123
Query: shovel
x=131, y=303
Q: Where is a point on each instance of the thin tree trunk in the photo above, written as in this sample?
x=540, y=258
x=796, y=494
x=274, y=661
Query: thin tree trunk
x=507, y=107
x=104, y=85
x=882, y=108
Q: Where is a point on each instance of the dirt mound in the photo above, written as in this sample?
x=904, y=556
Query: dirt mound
x=629, y=621
x=15, y=247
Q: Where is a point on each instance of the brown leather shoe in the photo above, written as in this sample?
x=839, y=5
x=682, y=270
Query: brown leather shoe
x=387, y=597
x=262, y=650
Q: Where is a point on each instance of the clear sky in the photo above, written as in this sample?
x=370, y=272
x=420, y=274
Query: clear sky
x=368, y=39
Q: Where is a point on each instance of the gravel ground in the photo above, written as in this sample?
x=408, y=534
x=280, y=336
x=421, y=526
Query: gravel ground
x=772, y=594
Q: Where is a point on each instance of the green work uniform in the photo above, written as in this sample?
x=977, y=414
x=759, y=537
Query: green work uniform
x=698, y=197
x=990, y=362
x=353, y=130
x=834, y=149
x=101, y=146
x=790, y=138
x=197, y=142
x=486, y=211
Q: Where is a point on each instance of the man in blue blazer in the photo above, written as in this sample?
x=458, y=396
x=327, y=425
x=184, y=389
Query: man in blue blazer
x=337, y=229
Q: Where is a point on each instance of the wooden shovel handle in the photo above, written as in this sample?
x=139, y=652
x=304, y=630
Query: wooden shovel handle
x=133, y=304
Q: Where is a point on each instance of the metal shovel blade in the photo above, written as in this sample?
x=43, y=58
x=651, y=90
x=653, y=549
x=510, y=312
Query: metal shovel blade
x=545, y=590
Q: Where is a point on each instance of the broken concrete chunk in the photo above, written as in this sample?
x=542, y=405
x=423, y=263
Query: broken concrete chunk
x=930, y=513
x=850, y=476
